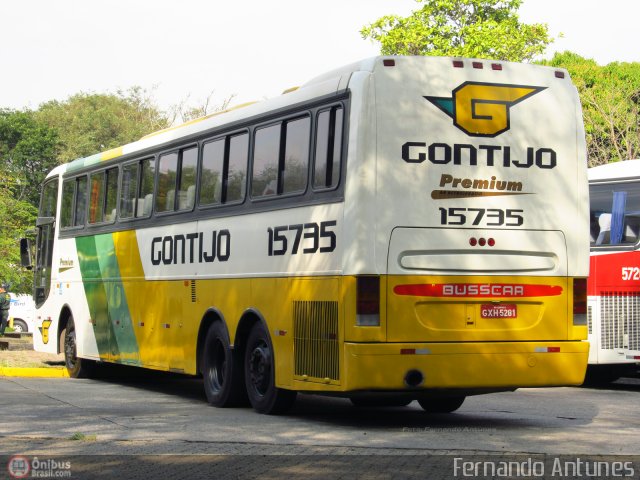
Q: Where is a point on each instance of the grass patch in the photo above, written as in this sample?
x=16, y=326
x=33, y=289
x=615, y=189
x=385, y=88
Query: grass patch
x=81, y=437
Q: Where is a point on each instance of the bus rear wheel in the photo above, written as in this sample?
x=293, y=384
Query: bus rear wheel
x=221, y=369
x=441, y=404
x=77, y=367
x=259, y=375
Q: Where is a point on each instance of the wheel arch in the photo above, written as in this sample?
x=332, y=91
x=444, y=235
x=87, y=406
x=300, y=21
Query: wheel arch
x=63, y=319
x=211, y=316
x=249, y=318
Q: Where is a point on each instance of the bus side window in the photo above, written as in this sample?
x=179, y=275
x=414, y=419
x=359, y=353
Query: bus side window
x=187, y=178
x=281, y=158
x=96, y=199
x=236, y=174
x=264, y=180
x=212, y=172
x=167, y=174
x=66, y=211
x=81, y=202
x=111, y=195
x=295, y=164
x=129, y=191
x=144, y=205
x=326, y=171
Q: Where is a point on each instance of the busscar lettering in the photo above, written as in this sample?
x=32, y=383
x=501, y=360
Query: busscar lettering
x=191, y=248
x=489, y=155
x=489, y=290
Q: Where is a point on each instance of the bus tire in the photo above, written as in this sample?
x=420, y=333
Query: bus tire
x=441, y=404
x=221, y=369
x=259, y=375
x=20, y=325
x=76, y=367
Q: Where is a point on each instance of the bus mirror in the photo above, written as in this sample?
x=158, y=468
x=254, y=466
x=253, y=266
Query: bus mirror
x=25, y=253
x=42, y=221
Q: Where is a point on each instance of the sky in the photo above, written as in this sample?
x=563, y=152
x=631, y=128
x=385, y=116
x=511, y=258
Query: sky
x=191, y=50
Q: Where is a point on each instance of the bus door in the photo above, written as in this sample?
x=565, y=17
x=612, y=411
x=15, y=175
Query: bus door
x=44, y=242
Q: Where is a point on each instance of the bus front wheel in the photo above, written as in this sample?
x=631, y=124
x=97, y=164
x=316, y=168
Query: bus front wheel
x=441, y=404
x=221, y=369
x=77, y=367
x=259, y=375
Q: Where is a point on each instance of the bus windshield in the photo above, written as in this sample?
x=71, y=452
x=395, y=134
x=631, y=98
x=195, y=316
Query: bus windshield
x=615, y=214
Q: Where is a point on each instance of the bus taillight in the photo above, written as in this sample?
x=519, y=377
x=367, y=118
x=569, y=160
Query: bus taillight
x=579, y=301
x=368, y=301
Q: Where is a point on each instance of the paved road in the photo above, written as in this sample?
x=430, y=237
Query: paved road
x=150, y=413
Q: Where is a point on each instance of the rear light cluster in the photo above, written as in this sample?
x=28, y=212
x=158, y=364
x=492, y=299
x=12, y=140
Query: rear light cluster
x=473, y=241
x=579, y=301
x=477, y=65
x=368, y=301
x=494, y=66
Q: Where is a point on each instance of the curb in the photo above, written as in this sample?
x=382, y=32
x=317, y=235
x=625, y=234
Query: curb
x=34, y=372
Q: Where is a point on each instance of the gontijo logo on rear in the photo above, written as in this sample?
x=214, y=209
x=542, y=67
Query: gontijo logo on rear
x=483, y=109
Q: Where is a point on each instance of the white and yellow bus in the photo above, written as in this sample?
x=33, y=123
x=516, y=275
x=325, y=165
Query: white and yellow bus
x=410, y=226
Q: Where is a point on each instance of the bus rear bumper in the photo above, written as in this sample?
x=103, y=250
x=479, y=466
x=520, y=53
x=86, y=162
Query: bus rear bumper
x=496, y=365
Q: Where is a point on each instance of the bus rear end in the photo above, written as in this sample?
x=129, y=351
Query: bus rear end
x=479, y=249
x=614, y=275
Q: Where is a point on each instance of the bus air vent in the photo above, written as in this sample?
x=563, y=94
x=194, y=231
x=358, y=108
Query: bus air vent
x=315, y=330
x=620, y=327
x=193, y=291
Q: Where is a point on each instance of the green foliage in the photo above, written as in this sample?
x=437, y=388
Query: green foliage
x=16, y=217
x=610, y=97
x=28, y=150
x=91, y=123
x=461, y=28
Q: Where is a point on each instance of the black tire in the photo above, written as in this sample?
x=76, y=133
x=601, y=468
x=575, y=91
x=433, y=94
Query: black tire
x=222, y=370
x=365, y=401
x=77, y=367
x=601, y=375
x=441, y=404
x=259, y=375
x=20, y=325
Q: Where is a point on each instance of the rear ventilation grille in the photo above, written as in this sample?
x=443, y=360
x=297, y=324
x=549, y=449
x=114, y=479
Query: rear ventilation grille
x=620, y=313
x=193, y=291
x=590, y=319
x=315, y=330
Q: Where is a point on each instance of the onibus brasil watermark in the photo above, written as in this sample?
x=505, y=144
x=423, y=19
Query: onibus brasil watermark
x=20, y=466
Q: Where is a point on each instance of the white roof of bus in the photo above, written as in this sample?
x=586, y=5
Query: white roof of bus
x=623, y=169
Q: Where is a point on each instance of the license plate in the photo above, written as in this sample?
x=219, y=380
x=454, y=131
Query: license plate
x=503, y=310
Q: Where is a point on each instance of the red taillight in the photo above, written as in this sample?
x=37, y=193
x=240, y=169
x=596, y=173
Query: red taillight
x=458, y=64
x=580, y=301
x=368, y=295
x=579, y=296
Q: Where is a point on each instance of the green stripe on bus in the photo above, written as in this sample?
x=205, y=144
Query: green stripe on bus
x=106, y=297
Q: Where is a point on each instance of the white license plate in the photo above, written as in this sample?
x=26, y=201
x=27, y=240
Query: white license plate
x=503, y=310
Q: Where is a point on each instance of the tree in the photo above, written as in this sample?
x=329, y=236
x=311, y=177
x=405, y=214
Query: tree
x=461, y=28
x=16, y=217
x=610, y=97
x=185, y=111
x=28, y=150
x=91, y=123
